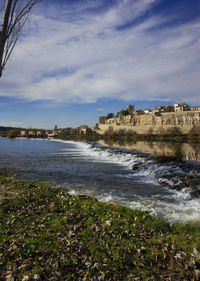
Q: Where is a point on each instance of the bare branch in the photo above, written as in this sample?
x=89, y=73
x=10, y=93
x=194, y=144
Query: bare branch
x=15, y=15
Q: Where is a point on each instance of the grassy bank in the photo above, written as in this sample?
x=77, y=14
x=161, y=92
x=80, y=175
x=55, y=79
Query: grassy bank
x=46, y=234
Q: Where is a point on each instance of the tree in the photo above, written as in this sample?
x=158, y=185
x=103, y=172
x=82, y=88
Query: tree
x=123, y=112
x=15, y=14
x=110, y=115
x=13, y=133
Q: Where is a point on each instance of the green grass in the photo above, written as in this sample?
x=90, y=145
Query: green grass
x=48, y=232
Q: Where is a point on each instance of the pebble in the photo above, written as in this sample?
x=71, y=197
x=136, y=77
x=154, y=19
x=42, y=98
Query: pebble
x=197, y=274
x=23, y=266
x=36, y=277
x=108, y=222
x=9, y=277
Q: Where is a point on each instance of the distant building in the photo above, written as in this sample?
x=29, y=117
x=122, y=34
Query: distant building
x=49, y=133
x=96, y=127
x=148, y=111
x=84, y=129
x=68, y=131
x=195, y=108
x=139, y=112
x=39, y=134
x=32, y=133
x=181, y=107
x=102, y=119
x=167, y=108
x=23, y=133
x=56, y=132
x=157, y=109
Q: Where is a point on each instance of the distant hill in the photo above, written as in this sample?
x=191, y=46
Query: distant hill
x=4, y=130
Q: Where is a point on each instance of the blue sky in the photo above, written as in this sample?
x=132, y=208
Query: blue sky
x=79, y=59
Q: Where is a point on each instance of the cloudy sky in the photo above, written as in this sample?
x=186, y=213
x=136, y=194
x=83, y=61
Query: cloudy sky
x=79, y=59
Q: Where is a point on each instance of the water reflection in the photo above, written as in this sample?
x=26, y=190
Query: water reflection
x=189, y=152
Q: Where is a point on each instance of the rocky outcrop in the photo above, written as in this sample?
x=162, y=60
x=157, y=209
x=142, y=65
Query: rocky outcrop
x=166, y=123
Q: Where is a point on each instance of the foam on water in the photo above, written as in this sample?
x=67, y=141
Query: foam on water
x=147, y=169
x=177, y=206
x=180, y=212
x=109, y=155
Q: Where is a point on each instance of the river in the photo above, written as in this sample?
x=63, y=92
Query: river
x=108, y=173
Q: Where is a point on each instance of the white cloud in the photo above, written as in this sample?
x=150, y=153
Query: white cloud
x=82, y=57
x=11, y=124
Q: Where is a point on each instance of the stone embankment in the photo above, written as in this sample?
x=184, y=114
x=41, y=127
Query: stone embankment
x=188, y=152
x=167, y=123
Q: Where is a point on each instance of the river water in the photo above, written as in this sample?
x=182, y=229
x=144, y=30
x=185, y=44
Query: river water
x=123, y=175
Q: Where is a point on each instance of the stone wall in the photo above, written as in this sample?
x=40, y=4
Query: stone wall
x=188, y=151
x=167, y=122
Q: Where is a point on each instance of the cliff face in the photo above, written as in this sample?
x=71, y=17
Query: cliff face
x=168, y=122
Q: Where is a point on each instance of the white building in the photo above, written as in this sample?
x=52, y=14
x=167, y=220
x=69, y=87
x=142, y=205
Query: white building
x=181, y=107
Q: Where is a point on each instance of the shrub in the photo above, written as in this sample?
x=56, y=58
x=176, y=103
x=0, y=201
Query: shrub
x=110, y=115
x=13, y=134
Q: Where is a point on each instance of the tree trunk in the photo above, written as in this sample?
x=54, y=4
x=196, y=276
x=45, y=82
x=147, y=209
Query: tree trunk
x=3, y=31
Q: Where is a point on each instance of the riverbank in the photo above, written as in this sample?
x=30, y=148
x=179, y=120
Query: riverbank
x=125, y=137
x=47, y=234
x=175, y=137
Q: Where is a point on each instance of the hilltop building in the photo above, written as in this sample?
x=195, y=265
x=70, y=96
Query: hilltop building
x=161, y=120
x=167, y=108
x=102, y=119
x=181, y=107
x=148, y=111
x=84, y=129
x=195, y=108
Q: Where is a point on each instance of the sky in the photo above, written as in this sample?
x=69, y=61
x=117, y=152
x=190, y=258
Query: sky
x=77, y=60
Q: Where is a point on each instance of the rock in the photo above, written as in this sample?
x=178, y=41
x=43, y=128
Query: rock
x=88, y=264
x=192, y=182
x=97, y=229
x=108, y=222
x=9, y=277
x=195, y=193
x=112, y=203
x=164, y=158
x=136, y=166
x=179, y=181
x=196, y=253
x=163, y=183
x=197, y=274
x=36, y=277
x=25, y=278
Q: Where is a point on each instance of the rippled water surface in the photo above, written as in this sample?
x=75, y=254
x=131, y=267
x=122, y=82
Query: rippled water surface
x=127, y=177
